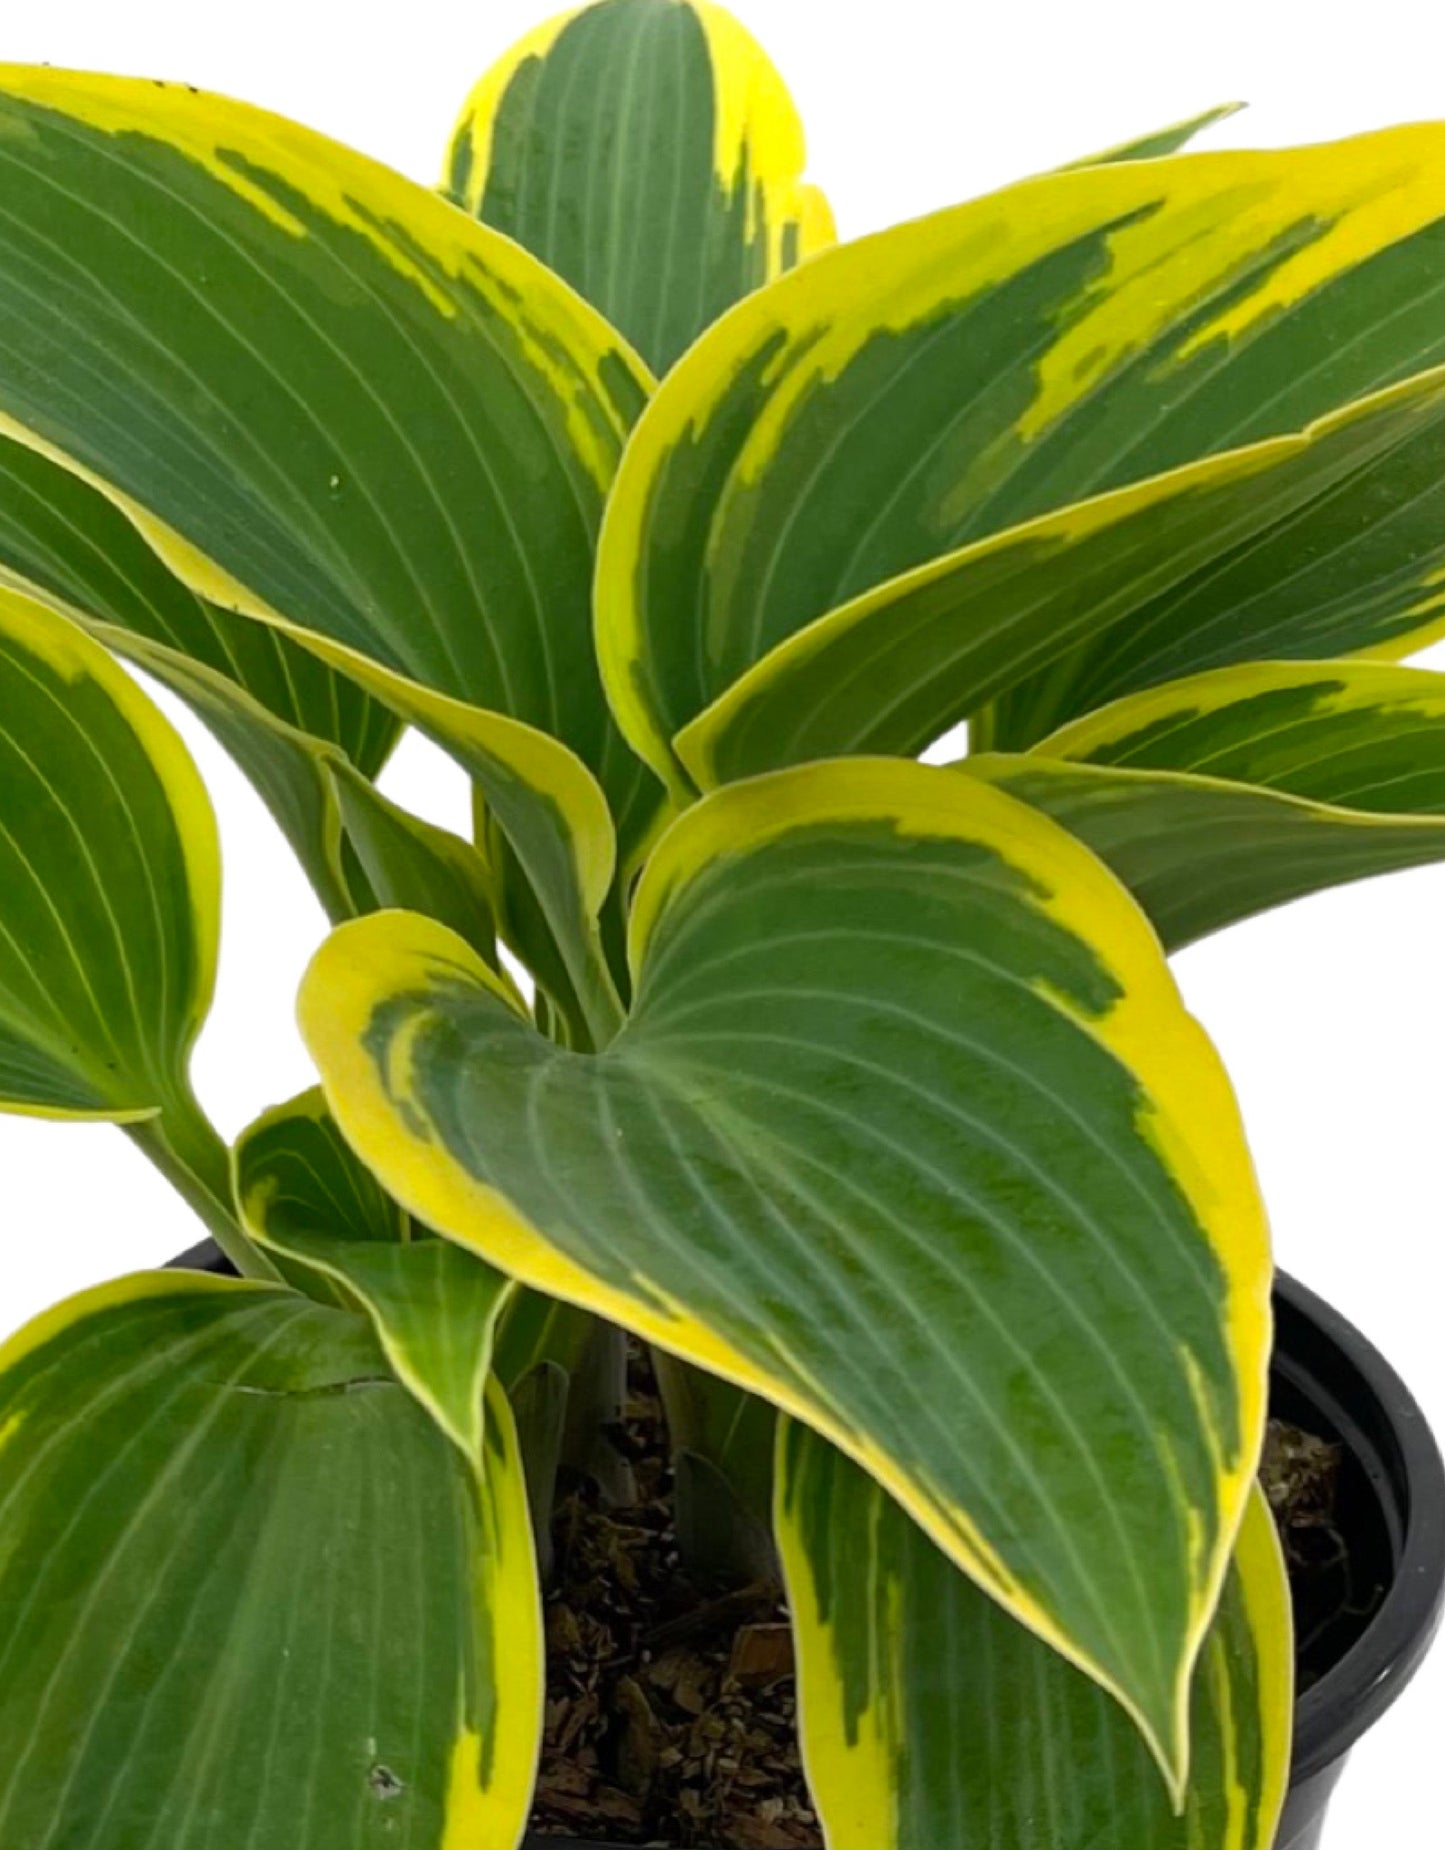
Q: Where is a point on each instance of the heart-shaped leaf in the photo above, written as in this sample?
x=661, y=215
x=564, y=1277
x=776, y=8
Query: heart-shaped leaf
x=904, y=395
x=909, y=1132
x=650, y=153
x=248, y=1590
x=1219, y=796
x=929, y=1717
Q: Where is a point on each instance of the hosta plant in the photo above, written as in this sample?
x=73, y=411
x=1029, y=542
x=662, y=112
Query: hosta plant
x=855, y=1088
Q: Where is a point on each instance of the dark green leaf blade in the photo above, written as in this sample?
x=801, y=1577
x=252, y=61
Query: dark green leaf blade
x=268, y=700
x=109, y=882
x=1145, y=575
x=1216, y=797
x=930, y=1718
x=233, y=1543
x=905, y=395
x=875, y=995
x=408, y=862
x=648, y=152
x=338, y=404
x=304, y=1197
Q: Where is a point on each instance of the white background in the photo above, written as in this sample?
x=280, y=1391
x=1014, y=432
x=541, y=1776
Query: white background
x=1330, y=1014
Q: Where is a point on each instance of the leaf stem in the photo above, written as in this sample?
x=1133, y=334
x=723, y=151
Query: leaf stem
x=190, y=1153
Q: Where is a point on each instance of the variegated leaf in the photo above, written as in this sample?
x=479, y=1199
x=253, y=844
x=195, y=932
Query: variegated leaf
x=248, y=1590
x=908, y=1132
x=1137, y=582
x=930, y=1718
x=305, y=1198
x=336, y=403
x=650, y=153
x=270, y=702
x=1224, y=794
x=913, y=392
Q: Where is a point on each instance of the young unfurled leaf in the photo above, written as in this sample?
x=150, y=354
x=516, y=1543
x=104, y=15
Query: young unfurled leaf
x=929, y=1717
x=246, y=1581
x=650, y=153
x=909, y=1132
x=1219, y=796
x=907, y=394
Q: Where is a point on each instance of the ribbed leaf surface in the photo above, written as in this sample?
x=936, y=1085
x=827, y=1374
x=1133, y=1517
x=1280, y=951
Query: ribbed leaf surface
x=66, y=542
x=649, y=152
x=912, y=392
x=249, y=1595
x=109, y=881
x=930, y=1718
x=1151, y=574
x=1224, y=794
x=908, y=1132
x=334, y=401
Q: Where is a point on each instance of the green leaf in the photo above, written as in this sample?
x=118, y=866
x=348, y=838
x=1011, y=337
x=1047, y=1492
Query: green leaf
x=929, y=1717
x=722, y=1441
x=410, y=863
x=1153, y=147
x=247, y=1589
x=110, y=899
x=1219, y=796
x=66, y=543
x=305, y=1197
x=536, y=1330
x=908, y=1132
x=910, y=393
x=1153, y=572
x=336, y=403
x=650, y=153
x=110, y=882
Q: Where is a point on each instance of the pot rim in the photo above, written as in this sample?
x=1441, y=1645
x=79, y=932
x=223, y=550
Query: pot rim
x=1322, y=1354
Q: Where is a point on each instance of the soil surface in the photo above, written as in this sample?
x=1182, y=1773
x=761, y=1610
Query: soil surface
x=671, y=1715
x=1333, y=1594
x=671, y=1708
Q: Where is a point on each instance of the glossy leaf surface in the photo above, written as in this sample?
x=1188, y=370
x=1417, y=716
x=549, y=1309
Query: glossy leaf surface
x=649, y=152
x=908, y=1132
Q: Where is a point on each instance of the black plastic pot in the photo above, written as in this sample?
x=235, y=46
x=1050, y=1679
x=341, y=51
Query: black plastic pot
x=1330, y=1380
